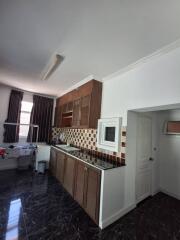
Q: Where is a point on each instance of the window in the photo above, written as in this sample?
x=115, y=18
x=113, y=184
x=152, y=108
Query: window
x=173, y=127
x=26, y=108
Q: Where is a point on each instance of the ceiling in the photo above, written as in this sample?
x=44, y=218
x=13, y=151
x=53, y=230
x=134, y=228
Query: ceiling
x=96, y=37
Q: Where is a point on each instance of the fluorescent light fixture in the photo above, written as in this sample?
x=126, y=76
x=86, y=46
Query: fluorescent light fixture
x=52, y=66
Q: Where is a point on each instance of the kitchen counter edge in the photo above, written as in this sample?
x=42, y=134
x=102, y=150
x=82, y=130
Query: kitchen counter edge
x=71, y=155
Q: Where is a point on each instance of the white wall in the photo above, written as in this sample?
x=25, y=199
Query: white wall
x=4, y=103
x=155, y=83
x=169, y=155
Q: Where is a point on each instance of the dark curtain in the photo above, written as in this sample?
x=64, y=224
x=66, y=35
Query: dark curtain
x=41, y=115
x=11, y=133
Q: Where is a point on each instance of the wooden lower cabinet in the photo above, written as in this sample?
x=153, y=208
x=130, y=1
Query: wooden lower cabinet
x=60, y=165
x=87, y=189
x=69, y=174
x=82, y=181
x=92, y=193
x=53, y=161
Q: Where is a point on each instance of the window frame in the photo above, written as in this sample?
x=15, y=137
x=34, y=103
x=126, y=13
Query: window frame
x=169, y=127
x=21, y=137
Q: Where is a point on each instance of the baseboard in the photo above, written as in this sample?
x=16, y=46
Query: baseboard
x=170, y=194
x=116, y=216
x=156, y=191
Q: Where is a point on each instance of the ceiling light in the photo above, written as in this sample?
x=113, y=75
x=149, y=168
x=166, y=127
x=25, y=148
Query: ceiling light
x=52, y=66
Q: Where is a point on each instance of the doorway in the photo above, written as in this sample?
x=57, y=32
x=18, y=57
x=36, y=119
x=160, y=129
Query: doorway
x=144, y=158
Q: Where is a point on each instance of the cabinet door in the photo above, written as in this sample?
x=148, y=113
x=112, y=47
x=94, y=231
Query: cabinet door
x=76, y=113
x=92, y=193
x=69, y=174
x=80, y=183
x=70, y=106
x=52, y=163
x=58, y=116
x=64, y=108
x=95, y=105
x=85, y=110
x=60, y=166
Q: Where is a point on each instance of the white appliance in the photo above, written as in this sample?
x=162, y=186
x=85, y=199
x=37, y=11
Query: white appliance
x=109, y=134
x=42, y=154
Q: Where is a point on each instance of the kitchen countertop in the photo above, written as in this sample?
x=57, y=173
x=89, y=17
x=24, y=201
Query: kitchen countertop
x=90, y=160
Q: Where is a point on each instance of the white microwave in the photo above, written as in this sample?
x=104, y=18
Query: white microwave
x=109, y=134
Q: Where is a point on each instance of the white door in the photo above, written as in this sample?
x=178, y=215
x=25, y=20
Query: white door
x=144, y=163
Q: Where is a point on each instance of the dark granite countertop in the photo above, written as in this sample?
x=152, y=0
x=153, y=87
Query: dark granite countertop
x=101, y=164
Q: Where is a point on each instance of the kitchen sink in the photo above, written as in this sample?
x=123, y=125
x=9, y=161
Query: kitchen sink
x=67, y=148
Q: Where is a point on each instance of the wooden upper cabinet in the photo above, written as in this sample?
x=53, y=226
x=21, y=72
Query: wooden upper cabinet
x=70, y=106
x=85, y=111
x=60, y=165
x=95, y=104
x=64, y=108
x=69, y=174
x=87, y=88
x=67, y=107
x=76, y=113
x=85, y=105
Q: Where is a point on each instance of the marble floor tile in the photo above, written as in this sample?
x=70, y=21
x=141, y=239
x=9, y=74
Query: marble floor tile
x=12, y=225
x=36, y=207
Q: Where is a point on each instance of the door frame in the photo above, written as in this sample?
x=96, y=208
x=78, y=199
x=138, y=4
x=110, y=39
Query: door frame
x=151, y=181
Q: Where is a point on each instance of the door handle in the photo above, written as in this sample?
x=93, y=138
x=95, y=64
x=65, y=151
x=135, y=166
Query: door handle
x=151, y=159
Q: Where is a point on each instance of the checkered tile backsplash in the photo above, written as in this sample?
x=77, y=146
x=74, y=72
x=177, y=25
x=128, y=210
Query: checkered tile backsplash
x=86, y=138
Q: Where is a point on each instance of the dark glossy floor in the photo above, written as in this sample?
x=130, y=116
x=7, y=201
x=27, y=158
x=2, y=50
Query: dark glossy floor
x=36, y=207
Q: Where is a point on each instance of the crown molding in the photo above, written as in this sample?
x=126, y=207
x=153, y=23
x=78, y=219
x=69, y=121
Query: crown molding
x=166, y=49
